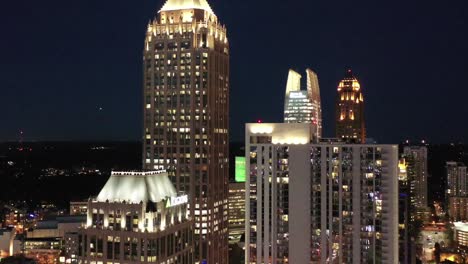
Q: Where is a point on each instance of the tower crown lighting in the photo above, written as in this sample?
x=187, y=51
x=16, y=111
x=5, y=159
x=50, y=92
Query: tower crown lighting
x=172, y=5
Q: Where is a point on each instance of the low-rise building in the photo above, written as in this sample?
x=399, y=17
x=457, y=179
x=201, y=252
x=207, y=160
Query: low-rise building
x=137, y=217
x=461, y=233
x=52, y=238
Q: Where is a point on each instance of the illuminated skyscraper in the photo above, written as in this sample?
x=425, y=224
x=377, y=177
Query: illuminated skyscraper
x=186, y=112
x=350, y=124
x=416, y=158
x=326, y=202
x=303, y=106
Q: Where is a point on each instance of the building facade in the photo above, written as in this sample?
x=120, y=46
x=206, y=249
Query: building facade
x=236, y=211
x=457, y=184
x=328, y=202
x=406, y=231
x=457, y=191
x=458, y=208
x=416, y=159
x=461, y=234
x=138, y=217
x=186, y=115
x=303, y=106
x=350, y=123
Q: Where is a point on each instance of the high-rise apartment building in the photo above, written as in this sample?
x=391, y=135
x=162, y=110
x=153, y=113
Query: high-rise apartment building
x=303, y=106
x=326, y=202
x=457, y=183
x=457, y=191
x=186, y=115
x=416, y=159
x=138, y=217
x=350, y=124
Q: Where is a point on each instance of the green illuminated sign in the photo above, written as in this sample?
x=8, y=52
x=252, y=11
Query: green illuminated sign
x=240, y=169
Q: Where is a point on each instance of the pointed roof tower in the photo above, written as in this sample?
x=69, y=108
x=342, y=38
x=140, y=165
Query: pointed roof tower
x=172, y=5
x=294, y=82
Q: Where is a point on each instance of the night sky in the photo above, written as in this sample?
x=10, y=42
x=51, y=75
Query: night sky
x=71, y=70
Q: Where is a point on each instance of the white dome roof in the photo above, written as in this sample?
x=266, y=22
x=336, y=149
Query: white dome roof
x=135, y=187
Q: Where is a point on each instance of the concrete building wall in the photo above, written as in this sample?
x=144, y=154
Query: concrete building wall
x=299, y=204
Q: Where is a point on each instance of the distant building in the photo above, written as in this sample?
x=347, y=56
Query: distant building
x=457, y=191
x=15, y=218
x=51, y=239
x=186, y=114
x=240, y=172
x=44, y=250
x=57, y=227
x=458, y=208
x=329, y=202
x=350, y=123
x=138, y=217
x=457, y=184
x=303, y=106
x=416, y=160
x=236, y=211
x=79, y=208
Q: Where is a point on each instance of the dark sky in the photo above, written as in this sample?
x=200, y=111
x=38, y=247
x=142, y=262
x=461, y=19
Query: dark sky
x=60, y=61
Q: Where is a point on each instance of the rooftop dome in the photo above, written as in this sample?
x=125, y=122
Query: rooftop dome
x=172, y=5
x=136, y=187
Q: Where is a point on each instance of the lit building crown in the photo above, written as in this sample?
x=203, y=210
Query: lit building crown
x=136, y=187
x=350, y=110
x=172, y=5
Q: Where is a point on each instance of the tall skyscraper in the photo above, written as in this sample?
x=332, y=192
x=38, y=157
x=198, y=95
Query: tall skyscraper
x=326, y=202
x=303, y=106
x=416, y=159
x=350, y=124
x=186, y=115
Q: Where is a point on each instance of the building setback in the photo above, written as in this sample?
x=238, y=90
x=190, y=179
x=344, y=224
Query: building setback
x=186, y=115
x=329, y=202
x=137, y=218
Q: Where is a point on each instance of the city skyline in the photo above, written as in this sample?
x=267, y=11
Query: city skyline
x=398, y=61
